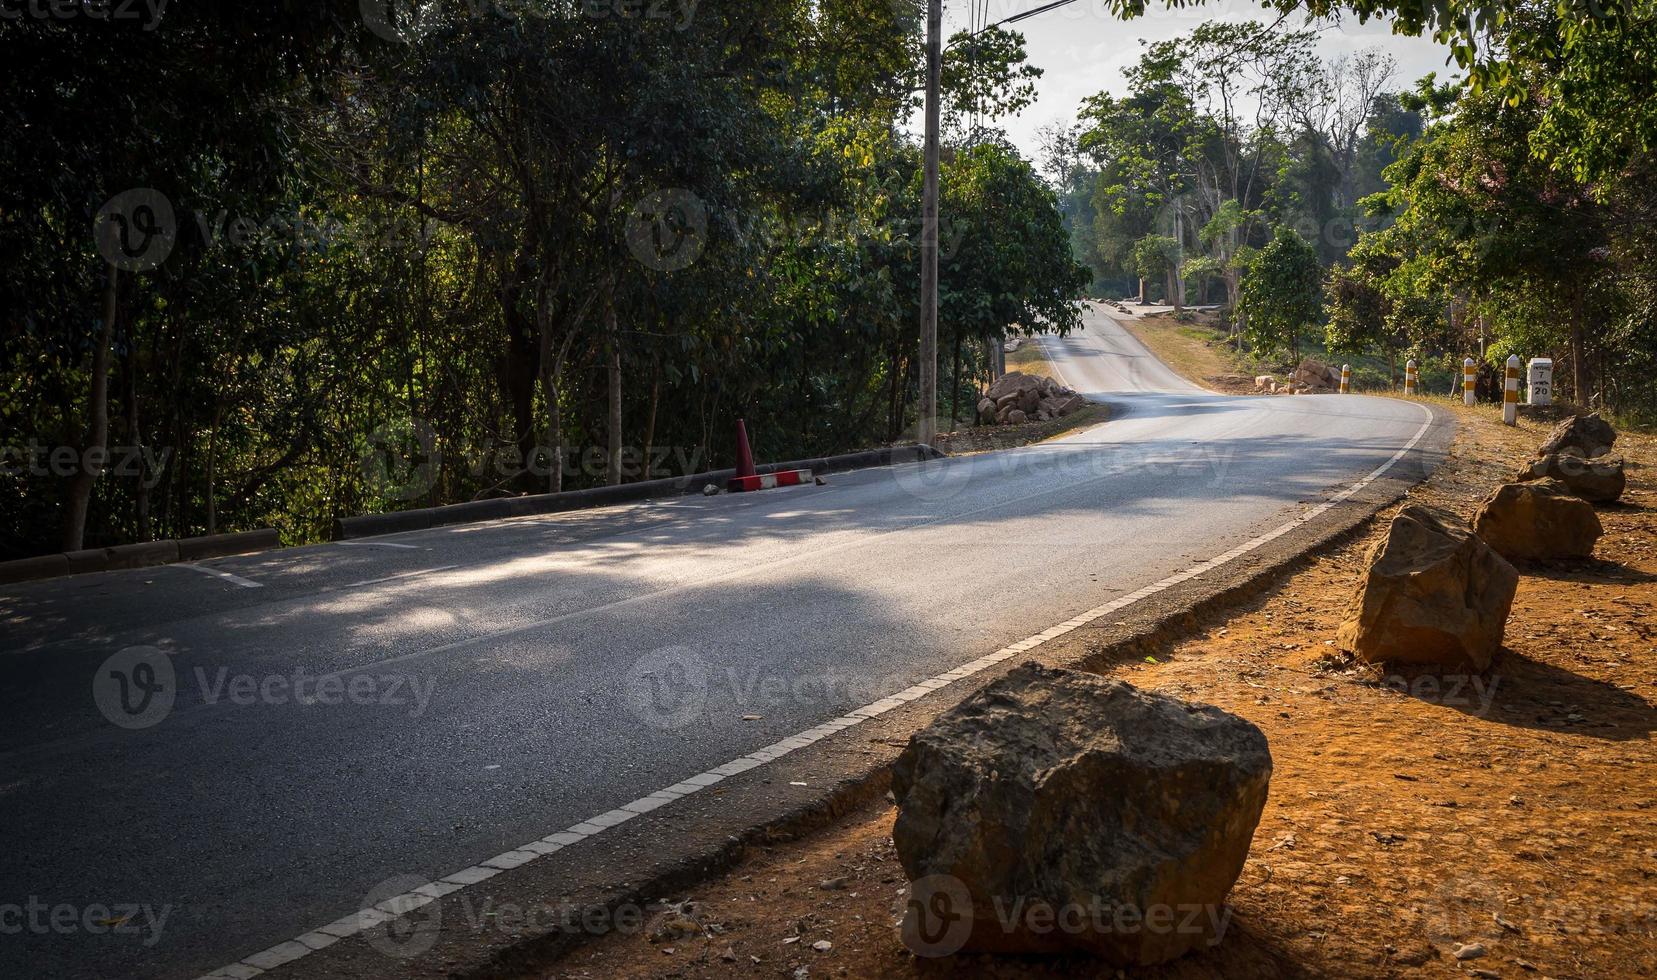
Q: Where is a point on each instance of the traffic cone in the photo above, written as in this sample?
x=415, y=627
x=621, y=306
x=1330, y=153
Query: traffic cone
x=744, y=455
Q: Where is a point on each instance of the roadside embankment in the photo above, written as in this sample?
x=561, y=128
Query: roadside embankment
x=1508, y=815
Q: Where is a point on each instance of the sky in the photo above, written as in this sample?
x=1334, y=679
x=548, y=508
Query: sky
x=1084, y=50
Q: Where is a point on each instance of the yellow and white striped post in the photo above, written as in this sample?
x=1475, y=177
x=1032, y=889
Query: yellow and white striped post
x=1510, y=392
x=1412, y=377
x=1469, y=377
x=1346, y=379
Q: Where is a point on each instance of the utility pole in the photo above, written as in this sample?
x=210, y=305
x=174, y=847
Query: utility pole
x=928, y=428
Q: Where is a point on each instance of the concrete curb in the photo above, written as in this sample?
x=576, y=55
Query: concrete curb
x=369, y=525
x=142, y=555
x=664, y=853
x=151, y=553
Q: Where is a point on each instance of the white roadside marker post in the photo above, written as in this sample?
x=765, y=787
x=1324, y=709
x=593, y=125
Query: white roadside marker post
x=1346, y=379
x=1411, y=377
x=1469, y=375
x=1510, y=392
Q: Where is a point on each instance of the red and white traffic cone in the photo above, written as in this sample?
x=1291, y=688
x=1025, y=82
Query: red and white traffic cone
x=744, y=453
x=748, y=478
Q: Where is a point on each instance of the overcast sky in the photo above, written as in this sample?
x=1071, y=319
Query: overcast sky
x=1084, y=50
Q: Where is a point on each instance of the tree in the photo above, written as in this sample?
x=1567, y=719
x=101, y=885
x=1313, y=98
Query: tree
x=1154, y=257
x=1283, y=294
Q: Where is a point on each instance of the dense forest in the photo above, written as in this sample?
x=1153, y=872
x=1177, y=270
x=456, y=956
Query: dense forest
x=297, y=260
x=271, y=264
x=1503, y=210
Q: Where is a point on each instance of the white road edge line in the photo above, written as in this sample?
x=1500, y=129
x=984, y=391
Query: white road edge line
x=400, y=905
x=377, y=544
x=216, y=573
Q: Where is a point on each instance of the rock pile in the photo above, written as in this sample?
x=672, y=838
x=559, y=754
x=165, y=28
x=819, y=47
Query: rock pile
x=1015, y=398
x=1316, y=374
x=1433, y=593
x=1577, y=454
x=1310, y=378
x=1436, y=594
x=1059, y=811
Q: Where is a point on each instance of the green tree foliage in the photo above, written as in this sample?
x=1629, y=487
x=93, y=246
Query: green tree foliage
x=424, y=253
x=1283, y=294
x=1228, y=131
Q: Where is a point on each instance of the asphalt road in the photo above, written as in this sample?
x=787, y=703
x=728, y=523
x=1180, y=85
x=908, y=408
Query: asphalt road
x=484, y=685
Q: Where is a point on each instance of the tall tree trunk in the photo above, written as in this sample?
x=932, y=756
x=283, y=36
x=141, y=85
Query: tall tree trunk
x=1579, y=363
x=613, y=340
x=1141, y=290
x=141, y=491
x=650, y=419
x=212, y=472
x=97, y=436
x=955, y=384
x=518, y=372
x=1179, y=257
x=552, y=378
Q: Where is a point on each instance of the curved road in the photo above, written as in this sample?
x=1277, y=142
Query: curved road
x=490, y=684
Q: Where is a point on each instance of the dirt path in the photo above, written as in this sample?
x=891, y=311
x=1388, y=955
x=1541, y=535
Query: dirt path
x=1408, y=815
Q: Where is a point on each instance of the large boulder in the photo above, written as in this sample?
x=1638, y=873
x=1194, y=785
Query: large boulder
x=1580, y=435
x=986, y=411
x=1315, y=374
x=1538, y=520
x=1058, y=811
x=1066, y=404
x=1030, y=400
x=1600, y=480
x=1433, y=593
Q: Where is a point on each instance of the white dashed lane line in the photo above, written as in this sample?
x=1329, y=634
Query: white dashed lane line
x=392, y=578
x=219, y=573
x=399, y=905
